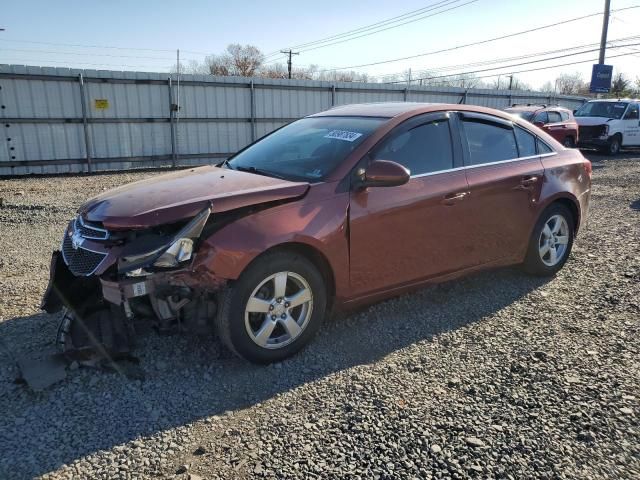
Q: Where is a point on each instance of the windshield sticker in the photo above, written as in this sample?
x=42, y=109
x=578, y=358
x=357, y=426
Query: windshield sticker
x=343, y=135
x=317, y=173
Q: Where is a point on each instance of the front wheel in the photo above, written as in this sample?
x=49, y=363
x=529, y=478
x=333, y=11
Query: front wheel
x=274, y=308
x=551, y=241
x=569, y=142
x=615, y=143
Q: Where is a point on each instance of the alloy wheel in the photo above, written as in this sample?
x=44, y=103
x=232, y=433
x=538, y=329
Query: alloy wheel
x=278, y=310
x=552, y=244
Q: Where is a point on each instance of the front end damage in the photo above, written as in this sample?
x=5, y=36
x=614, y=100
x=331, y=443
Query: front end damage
x=114, y=285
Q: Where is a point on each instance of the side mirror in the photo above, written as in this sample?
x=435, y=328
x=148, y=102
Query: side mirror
x=538, y=124
x=384, y=173
x=574, y=112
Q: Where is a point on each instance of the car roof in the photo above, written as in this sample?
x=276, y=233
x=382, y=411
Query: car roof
x=396, y=109
x=377, y=109
x=534, y=108
x=615, y=100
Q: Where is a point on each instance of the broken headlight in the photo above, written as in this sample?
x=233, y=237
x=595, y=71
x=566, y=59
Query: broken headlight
x=158, y=251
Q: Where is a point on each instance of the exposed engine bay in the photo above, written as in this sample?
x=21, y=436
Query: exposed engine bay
x=114, y=285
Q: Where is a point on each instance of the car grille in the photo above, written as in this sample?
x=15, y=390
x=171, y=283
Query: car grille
x=81, y=261
x=90, y=230
x=589, y=132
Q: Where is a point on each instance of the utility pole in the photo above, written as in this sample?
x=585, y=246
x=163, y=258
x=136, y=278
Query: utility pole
x=510, y=82
x=289, y=63
x=605, y=29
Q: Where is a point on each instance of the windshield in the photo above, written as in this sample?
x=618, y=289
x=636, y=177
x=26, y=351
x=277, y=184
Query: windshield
x=602, y=109
x=308, y=149
x=524, y=115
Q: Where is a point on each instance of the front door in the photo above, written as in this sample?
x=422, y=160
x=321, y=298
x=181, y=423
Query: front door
x=505, y=178
x=556, y=127
x=631, y=126
x=399, y=235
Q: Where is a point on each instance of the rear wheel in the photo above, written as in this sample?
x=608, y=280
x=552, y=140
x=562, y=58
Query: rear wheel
x=551, y=241
x=274, y=308
x=569, y=142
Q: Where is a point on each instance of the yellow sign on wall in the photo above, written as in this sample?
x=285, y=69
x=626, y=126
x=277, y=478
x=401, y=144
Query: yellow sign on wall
x=101, y=103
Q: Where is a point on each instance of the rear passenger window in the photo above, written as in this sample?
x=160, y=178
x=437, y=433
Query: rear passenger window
x=526, y=143
x=489, y=142
x=543, y=147
x=565, y=116
x=554, y=117
x=423, y=149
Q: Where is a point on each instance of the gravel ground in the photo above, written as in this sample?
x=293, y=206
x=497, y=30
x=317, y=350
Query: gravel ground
x=495, y=376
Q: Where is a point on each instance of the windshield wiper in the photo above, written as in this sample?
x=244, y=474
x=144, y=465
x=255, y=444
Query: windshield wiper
x=255, y=170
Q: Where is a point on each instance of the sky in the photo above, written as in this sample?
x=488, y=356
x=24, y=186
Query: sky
x=147, y=33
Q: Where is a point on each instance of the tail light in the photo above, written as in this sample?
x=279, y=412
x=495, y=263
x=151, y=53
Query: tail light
x=587, y=167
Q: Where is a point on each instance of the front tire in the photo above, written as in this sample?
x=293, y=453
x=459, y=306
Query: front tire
x=569, y=142
x=551, y=241
x=614, y=146
x=274, y=309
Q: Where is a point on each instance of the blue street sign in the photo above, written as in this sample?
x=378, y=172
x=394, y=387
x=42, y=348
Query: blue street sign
x=601, y=78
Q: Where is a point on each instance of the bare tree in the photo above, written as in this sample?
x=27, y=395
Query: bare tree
x=570, y=83
x=548, y=87
x=238, y=60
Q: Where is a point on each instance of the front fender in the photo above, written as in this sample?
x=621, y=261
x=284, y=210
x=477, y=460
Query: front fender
x=319, y=223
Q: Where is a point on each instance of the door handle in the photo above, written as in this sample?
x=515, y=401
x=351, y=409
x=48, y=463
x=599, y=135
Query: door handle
x=529, y=180
x=452, y=198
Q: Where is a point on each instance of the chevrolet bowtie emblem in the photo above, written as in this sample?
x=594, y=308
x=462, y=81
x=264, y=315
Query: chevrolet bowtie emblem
x=76, y=240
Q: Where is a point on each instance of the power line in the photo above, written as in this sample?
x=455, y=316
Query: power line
x=525, y=63
x=481, y=42
x=371, y=26
x=44, y=62
x=92, y=54
x=85, y=46
x=517, y=64
x=389, y=28
x=519, y=57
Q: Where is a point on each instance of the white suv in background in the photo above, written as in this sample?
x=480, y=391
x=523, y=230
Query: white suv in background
x=609, y=125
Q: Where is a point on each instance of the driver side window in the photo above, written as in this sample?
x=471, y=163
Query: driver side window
x=541, y=117
x=633, y=113
x=423, y=149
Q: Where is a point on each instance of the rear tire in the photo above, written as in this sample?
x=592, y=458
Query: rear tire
x=274, y=309
x=551, y=241
x=569, y=142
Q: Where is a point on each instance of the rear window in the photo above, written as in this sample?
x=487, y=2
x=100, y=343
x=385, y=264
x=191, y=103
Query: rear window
x=526, y=142
x=543, y=148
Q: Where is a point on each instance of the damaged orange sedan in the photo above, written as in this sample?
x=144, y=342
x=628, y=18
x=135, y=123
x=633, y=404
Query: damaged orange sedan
x=341, y=208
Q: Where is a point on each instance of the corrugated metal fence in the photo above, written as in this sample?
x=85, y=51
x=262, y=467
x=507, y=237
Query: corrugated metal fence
x=58, y=120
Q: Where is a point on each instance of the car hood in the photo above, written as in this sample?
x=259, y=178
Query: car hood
x=181, y=195
x=588, y=121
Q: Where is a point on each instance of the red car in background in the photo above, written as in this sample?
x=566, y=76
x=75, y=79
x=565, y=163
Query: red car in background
x=556, y=121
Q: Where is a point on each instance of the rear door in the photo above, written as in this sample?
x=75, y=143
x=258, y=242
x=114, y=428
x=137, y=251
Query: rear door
x=631, y=126
x=505, y=175
x=400, y=235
